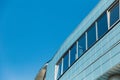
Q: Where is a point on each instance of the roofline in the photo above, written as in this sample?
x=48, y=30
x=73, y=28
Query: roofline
x=67, y=40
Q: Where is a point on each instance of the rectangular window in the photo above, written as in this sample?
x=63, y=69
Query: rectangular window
x=102, y=25
x=91, y=35
x=73, y=54
x=65, y=62
x=59, y=71
x=81, y=45
x=114, y=14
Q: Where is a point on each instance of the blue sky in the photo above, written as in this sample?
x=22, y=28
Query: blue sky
x=31, y=31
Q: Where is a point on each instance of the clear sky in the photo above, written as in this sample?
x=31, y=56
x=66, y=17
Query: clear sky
x=31, y=31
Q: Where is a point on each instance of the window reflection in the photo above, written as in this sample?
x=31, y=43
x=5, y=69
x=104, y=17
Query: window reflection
x=72, y=54
x=102, y=25
x=114, y=14
x=81, y=45
x=65, y=62
x=91, y=36
x=59, y=69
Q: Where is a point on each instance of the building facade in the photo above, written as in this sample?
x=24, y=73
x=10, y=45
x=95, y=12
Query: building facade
x=92, y=51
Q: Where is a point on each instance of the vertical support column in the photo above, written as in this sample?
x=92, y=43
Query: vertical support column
x=56, y=71
x=69, y=58
x=86, y=40
x=62, y=67
x=108, y=19
x=76, y=49
x=96, y=30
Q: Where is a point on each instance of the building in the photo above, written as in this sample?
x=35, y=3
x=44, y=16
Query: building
x=92, y=51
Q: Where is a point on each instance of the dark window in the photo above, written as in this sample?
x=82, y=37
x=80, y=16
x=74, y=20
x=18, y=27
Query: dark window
x=73, y=54
x=102, y=25
x=65, y=62
x=114, y=14
x=91, y=35
x=81, y=45
x=59, y=69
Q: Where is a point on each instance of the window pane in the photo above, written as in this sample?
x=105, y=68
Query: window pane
x=59, y=69
x=65, y=62
x=102, y=25
x=72, y=54
x=114, y=14
x=81, y=45
x=91, y=36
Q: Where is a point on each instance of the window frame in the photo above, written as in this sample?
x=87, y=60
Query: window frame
x=66, y=54
x=74, y=45
x=97, y=27
x=57, y=68
x=117, y=2
x=86, y=36
x=93, y=25
x=83, y=35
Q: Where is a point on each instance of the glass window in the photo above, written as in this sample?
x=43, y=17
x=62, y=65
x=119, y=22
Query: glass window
x=59, y=69
x=102, y=25
x=73, y=54
x=114, y=14
x=81, y=45
x=91, y=35
x=66, y=62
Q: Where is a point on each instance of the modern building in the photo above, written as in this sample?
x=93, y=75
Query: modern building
x=92, y=51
